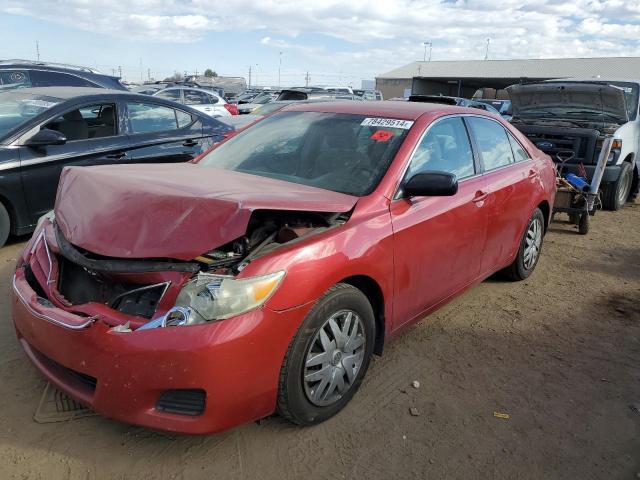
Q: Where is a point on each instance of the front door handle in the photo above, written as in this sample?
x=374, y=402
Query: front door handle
x=480, y=196
x=532, y=174
x=117, y=155
x=190, y=143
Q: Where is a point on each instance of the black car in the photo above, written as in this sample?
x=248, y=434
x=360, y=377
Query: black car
x=26, y=73
x=43, y=130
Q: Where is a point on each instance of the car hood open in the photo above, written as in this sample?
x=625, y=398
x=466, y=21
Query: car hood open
x=581, y=95
x=174, y=211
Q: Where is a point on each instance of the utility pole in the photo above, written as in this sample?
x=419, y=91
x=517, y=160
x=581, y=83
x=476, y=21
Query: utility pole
x=249, y=76
x=307, y=78
x=486, y=52
x=38, y=50
x=120, y=70
x=424, y=57
x=279, y=67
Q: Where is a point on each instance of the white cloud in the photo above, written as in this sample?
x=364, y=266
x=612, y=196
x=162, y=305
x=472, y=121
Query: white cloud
x=375, y=36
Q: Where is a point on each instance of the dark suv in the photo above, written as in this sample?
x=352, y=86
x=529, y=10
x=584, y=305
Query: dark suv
x=26, y=73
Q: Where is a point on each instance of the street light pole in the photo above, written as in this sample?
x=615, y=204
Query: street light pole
x=486, y=52
x=424, y=58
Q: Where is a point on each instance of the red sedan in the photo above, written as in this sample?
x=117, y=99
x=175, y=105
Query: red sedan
x=196, y=297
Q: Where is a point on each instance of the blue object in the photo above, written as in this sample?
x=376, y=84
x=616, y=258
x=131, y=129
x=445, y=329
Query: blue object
x=577, y=182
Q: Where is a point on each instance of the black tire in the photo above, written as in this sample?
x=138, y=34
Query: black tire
x=293, y=402
x=616, y=193
x=583, y=226
x=574, y=218
x=517, y=270
x=5, y=225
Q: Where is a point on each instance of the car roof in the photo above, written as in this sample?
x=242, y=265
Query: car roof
x=187, y=87
x=400, y=110
x=65, y=93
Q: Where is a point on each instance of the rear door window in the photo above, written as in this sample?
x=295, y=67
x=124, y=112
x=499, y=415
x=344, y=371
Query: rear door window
x=14, y=79
x=169, y=95
x=194, y=97
x=444, y=148
x=492, y=141
x=146, y=117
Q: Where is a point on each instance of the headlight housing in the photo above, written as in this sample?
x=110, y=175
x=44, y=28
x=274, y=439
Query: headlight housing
x=217, y=297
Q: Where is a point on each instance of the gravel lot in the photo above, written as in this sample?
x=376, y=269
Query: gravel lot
x=559, y=353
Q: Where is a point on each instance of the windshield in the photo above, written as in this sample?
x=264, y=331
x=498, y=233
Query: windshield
x=339, y=152
x=630, y=96
x=16, y=107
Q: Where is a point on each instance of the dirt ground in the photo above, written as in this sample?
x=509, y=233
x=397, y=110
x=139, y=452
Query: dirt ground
x=559, y=353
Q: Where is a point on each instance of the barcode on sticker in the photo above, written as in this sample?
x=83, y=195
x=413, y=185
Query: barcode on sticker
x=387, y=122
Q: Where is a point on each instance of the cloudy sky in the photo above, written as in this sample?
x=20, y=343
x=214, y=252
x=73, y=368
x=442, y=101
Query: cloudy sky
x=337, y=42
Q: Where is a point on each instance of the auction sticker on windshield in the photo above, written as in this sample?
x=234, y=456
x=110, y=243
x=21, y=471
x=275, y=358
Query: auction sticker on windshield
x=387, y=122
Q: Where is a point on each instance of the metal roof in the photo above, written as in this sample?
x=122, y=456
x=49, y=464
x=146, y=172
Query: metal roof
x=619, y=67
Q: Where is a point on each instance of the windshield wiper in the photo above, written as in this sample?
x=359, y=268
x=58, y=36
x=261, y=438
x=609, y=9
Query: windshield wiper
x=596, y=112
x=541, y=110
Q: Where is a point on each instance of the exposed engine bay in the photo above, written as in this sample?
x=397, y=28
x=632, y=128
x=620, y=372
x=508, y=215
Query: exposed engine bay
x=267, y=231
x=573, y=141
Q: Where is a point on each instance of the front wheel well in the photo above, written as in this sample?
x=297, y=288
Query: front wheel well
x=546, y=213
x=373, y=292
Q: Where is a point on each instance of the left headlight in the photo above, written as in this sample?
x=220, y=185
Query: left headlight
x=217, y=297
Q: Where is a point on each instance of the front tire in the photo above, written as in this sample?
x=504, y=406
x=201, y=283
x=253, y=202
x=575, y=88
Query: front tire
x=328, y=358
x=530, y=248
x=616, y=193
x=5, y=225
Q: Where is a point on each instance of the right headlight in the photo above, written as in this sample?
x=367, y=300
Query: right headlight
x=217, y=297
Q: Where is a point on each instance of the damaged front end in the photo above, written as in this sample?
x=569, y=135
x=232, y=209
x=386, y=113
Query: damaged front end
x=140, y=294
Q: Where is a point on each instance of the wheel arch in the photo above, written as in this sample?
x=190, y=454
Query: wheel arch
x=373, y=292
x=13, y=214
x=546, y=213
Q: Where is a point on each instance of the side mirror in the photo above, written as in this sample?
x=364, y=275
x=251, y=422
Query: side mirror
x=46, y=137
x=431, y=184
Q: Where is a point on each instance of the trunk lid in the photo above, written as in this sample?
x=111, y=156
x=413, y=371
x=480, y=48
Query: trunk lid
x=174, y=211
x=594, y=97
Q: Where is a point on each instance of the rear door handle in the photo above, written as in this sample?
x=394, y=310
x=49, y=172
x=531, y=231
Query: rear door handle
x=117, y=155
x=190, y=143
x=480, y=196
x=532, y=174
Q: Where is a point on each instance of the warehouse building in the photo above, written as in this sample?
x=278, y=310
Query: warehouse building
x=464, y=78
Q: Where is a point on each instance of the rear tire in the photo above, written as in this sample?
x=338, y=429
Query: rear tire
x=530, y=249
x=5, y=225
x=321, y=370
x=583, y=226
x=616, y=193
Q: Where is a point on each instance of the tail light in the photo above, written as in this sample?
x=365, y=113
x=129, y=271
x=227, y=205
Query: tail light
x=231, y=108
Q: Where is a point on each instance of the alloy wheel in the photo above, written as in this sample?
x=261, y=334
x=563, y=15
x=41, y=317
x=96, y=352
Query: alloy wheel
x=623, y=189
x=533, y=242
x=334, y=358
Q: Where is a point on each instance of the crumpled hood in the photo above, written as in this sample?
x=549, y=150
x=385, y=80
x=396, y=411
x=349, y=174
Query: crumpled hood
x=172, y=210
x=581, y=95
